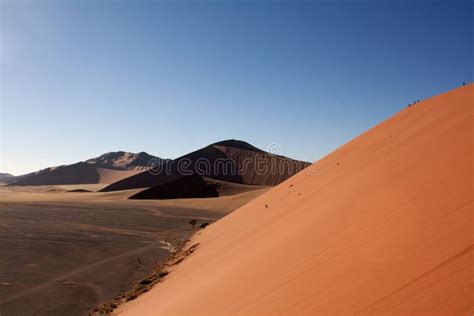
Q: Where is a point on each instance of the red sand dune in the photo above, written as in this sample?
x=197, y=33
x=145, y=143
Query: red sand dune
x=384, y=226
x=78, y=173
x=193, y=186
x=107, y=168
x=229, y=160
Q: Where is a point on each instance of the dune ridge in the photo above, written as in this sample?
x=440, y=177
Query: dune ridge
x=193, y=186
x=5, y=176
x=219, y=158
x=105, y=169
x=78, y=173
x=121, y=160
x=381, y=226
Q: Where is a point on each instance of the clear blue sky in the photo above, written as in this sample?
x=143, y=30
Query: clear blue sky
x=80, y=78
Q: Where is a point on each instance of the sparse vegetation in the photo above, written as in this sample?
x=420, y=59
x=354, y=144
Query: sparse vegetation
x=204, y=225
x=163, y=274
x=193, y=222
x=147, y=283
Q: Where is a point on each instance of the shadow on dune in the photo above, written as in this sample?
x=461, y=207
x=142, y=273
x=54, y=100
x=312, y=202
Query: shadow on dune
x=193, y=186
x=231, y=161
x=78, y=173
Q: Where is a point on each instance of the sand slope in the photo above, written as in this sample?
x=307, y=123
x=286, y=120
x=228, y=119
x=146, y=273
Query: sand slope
x=78, y=173
x=193, y=186
x=107, y=168
x=384, y=226
x=122, y=160
x=230, y=160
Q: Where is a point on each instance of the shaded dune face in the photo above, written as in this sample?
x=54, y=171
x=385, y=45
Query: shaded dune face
x=381, y=226
x=106, y=169
x=121, y=160
x=193, y=186
x=79, y=173
x=260, y=168
x=230, y=161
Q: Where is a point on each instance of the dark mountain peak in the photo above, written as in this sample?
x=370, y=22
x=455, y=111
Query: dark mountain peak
x=235, y=143
x=123, y=160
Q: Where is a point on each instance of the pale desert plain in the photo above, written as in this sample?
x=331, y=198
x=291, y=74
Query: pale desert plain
x=381, y=226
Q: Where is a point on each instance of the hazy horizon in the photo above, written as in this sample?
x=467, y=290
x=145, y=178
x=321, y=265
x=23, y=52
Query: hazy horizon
x=79, y=79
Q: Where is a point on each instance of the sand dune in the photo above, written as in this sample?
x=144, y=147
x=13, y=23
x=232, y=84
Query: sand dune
x=78, y=173
x=381, y=226
x=106, y=169
x=121, y=160
x=107, y=176
x=193, y=186
x=230, y=160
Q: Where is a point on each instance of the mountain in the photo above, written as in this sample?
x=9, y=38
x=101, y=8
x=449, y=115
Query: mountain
x=121, y=160
x=105, y=169
x=381, y=226
x=230, y=160
x=78, y=173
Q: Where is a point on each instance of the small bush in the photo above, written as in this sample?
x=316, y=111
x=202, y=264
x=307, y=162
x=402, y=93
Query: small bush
x=145, y=281
x=163, y=274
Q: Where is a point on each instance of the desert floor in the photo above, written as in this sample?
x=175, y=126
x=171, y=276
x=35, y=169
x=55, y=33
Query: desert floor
x=64, y=253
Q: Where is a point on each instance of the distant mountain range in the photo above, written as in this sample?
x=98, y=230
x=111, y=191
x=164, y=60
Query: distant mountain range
x=202, y=173
x=385, y=227
x=230, y=160
x=107, y=168
x=121, y=160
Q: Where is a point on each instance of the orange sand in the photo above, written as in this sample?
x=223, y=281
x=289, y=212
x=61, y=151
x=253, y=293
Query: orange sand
x=107, y=176
x=383, y=227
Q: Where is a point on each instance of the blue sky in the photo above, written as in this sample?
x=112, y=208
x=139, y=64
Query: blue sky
x=80, y=78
